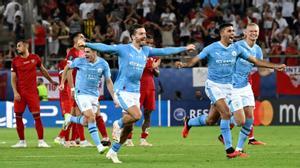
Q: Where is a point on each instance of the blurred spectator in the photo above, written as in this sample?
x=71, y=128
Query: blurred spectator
x=153, y=15
x=97, y=35
x=168, y=17
x=282, y=23
x=19, y=13
x=228, y=16
x=88, y=25
x=109, y=36
x=53, y=40
x=63, y=37
x=19, y=31
x=40, y=38
x=288, y=10
x=147, y=5
x=9, y=13
x=74, y=23
x=114, y=23
x=86, y=7
x=185, y=31
x=166, y=32
x=100, y=17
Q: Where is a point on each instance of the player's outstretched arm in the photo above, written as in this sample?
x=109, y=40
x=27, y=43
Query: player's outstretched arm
x=170, y=50
x=46, y=75
x=17, y=96
x=191, y=63
x=266, y=64
x=98, y=46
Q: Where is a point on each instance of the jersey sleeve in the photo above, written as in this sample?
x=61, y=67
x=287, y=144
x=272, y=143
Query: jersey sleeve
x=242, y=52
x=164, y=51
x=103, y=47
x=75, y=63
x=260, y=54
x=39, y=61
x=107, y=73
x=204, y=53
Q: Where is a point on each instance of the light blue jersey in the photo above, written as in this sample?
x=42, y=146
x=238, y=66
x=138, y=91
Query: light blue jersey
x=221, y=61
x=244, y=67
x=89, y=75
x=132, y=62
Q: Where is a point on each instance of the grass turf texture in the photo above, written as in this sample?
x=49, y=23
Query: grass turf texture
x=200, y=149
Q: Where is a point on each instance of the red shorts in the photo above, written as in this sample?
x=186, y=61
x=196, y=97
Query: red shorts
x=30, y=99
x=147, y=100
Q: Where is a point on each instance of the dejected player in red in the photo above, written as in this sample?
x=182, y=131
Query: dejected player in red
x=147, y=99
x=23, y=81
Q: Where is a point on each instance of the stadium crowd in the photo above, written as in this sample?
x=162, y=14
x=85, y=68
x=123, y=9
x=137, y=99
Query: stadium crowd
x=171, y=22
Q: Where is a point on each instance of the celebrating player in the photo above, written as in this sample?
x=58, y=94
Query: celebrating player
x=222, y=57
x=88, y=78
x=132, y=60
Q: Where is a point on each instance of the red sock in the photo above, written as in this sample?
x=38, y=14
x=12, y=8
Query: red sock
x=74, y=131
x=20, y=125
x=67, y=134
x=62, y=133
x=80, y=130
x=144, y=135
x=251, y=134
x=38, y=125
x=129, y=135
x=101, y=126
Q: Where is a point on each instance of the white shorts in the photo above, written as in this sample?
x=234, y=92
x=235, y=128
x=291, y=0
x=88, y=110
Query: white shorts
x=216, y=91
x=127, y=99
x=87, y=102
x=242, y=97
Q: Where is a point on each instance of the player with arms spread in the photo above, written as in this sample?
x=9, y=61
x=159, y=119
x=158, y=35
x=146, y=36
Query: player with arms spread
x=132, y=61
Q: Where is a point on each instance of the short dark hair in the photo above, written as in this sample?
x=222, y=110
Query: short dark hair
x=223, y=26
x=133, y=28
x=74, y=35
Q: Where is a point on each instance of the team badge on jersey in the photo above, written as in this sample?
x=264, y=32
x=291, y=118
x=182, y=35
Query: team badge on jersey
x=99, y=70
x=233, y=53
x=32, y=61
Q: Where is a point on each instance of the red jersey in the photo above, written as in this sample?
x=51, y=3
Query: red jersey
x=147, y=81
x=72, y=54
x=25, y=69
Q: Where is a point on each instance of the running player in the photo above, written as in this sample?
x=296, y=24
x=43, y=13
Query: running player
x=88, y=78
x=147, y=99
x=132, y=60
x=222, y=57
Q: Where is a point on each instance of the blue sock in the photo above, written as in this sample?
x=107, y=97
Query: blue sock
x=116, y=146
x=77, y=120
x=232, y=120
x=120, y=122
x=198, y=121
x=244, y=133
x=94, y=133
x=226, y=133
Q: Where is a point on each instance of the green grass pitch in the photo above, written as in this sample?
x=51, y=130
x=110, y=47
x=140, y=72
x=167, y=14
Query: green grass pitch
x=200, y=149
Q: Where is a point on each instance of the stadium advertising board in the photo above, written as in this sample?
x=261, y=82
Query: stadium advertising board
x=277, y=112
x=51, y=114
x=180, y=109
